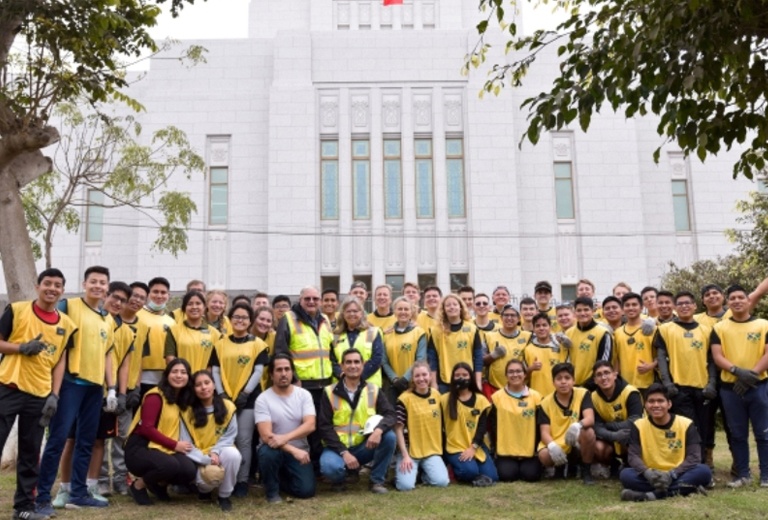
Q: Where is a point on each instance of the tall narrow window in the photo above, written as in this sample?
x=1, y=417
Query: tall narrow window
x=94, y=220
x=393, y=180
x=680, y=205
x=396, y=281
x=425, y=202
x=567, y=293
x=454, y=152
x=329, y=180
x=459, y=280
x=219, y=196
x=361, y=179
x=427, y=279
x=564, y=190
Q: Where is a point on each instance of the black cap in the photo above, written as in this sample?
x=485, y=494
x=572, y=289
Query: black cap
x=543, y=286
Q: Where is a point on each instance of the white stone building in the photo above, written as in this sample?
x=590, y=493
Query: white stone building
x=343, y=143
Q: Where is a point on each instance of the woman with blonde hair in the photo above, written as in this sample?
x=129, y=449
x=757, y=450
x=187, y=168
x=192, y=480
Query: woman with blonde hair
x=404, y=344
x=353, y=331
x=454, y=340
x=216, y=308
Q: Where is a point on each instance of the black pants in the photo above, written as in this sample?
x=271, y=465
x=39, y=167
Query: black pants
x=156, y=467
x=689, y=402
x=28, y=408
x=519, y=468
x=314, y=439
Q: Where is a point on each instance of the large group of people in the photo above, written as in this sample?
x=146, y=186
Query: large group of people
x=470, y=388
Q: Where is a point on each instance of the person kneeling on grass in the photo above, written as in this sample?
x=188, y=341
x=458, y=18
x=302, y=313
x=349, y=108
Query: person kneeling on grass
x=211, y=426
x=664, y=453
x=566, y=419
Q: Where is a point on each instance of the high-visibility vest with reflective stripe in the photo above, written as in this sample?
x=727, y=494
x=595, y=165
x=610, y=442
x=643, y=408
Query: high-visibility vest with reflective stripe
x=349, y=423
x=311, y=352
x=363, y=343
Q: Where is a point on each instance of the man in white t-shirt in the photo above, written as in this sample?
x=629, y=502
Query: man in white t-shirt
x=284, y=416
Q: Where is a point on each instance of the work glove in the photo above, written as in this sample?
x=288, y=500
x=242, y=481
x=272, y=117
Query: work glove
x=621, y=436
x=564, y=340
x=710, y=391
x=121, y=404
x=111, y=404
x=741, y=388
x=653, y=476
x=748, y=377
x=648, y=326
x=572, y=435
x=664, y=481
x=133, y=400
x=49, y=410
x=558, y=455
x=672, y=390
x=33, y=347
x=400, y=384
x=242, y=399
x=499, y=352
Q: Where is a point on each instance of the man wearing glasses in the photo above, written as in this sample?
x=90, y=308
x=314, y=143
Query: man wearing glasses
x=503, y=345
x=685, y=364
x=305, y=334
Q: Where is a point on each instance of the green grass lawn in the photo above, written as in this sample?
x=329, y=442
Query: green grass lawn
x=561, y=499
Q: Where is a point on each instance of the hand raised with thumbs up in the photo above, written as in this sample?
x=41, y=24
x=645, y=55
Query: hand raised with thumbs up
x=33, y=347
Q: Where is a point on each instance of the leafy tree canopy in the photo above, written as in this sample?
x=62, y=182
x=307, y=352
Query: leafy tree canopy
x=699, y=65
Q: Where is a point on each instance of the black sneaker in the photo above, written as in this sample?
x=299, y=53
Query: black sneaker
x=225, y=504
x=28, y=515
x=161, y=492
x=204, y=497
x=586, y=475
x=140, y=496
x=629, y=495
x=241, y=490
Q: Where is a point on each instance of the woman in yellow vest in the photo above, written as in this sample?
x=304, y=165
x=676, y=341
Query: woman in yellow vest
x=513, y=427
x=240, y=360
x=418, y=410
x=465, y=416
x=210, y=425
x=193, y=339
x=405, y=344
x=455, y=340
x=153, y=451
x=262, y=327
x=353, y=331
x=215, y=313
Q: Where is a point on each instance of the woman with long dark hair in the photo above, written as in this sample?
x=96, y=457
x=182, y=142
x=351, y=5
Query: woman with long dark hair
x=192, y=339
x=465, y=413
x=210, y=424
x=154, y=452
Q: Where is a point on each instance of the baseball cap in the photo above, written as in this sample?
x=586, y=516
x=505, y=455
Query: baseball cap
x=543, y=286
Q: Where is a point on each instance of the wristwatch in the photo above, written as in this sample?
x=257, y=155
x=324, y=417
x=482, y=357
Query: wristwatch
x=732, y=370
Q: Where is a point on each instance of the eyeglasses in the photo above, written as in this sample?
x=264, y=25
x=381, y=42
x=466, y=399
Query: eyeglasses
x=118, y=299
x=510, y=316
x=138, y=298
x=602, y=375
x=684, y=304
x=311, y=299
x=481, y=304
x=239, y=318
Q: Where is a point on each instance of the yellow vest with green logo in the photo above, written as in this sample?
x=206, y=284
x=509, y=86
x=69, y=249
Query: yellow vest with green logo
x=452, y=348
x=32, y=374
x=363, y=343
x=195, y=345
x=167, y=424
x=615, y=410
x=236, y=361
x=140, y=331
x=349, y=423
x=311, y=352
x=630, y=348
x=206, y=437
x=124, y=344
x=93, y=339
x=401, y=347
x=425, y=427
x=663, y=448
x=584, y=351
x=743, y=344
x=460, y=433
x=496, y=371
x=516, y=428
x=561, y=419
x=687, y=351
x=153, y=350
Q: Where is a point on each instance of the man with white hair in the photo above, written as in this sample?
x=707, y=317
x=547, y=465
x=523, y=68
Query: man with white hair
x=305, y=334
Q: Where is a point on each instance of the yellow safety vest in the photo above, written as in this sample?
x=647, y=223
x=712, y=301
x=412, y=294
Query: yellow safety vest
x=311, y=352
x=363, y=343
x=167, y=424
x=349, y=423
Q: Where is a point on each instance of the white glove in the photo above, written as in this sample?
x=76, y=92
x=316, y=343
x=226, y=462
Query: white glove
x=572, y=435
x=648, y=326
x=563, y=340
x=111, y=401
x=557, y=454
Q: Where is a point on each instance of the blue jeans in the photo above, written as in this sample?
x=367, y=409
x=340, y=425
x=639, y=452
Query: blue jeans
x=280, y=470
x=471, y=469
x=739, y=412
x=699, y=475
x=332, y=465
x=80, y=405
x=434, y=473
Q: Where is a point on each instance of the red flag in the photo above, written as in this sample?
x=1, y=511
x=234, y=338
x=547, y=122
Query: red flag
x=393, y=2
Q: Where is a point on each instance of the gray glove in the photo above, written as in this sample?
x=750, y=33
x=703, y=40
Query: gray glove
x=672, y=390
x=558, y=455
x=400, y=384
x=242, y=400
x=664, y=481
x=710, y=391
x=748, y=377
x=133, y=400
x=33, y=347
x=49, y=410
x=499, y=352
x=121, y=404
x=622, y=437
x=564, y=340
x=648, y=326
x=654, y=477
x=741, y=388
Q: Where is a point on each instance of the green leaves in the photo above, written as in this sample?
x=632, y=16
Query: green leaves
x=699, y=66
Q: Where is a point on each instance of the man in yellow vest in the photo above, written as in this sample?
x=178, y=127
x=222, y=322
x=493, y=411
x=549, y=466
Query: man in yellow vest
x=344, y=410
x=305, y=334
x=664, y=453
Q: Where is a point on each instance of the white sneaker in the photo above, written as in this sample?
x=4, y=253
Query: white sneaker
x=93, y=491
x=601, y=471
x=104, y=489
x=740, y=482
x=62, y=497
